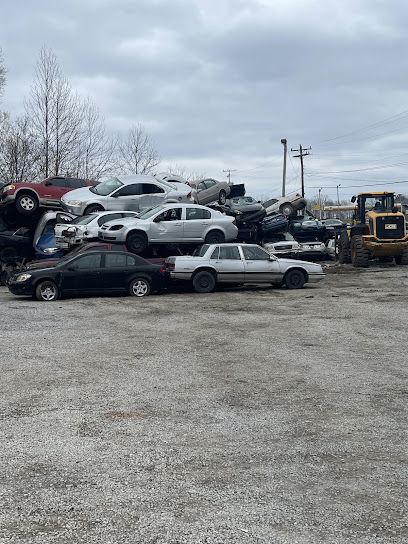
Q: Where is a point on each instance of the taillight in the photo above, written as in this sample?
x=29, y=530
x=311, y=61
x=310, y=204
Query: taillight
x=169, y=266
x=162, y=270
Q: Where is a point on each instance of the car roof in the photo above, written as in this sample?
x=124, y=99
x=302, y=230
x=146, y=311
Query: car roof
x=137, y=178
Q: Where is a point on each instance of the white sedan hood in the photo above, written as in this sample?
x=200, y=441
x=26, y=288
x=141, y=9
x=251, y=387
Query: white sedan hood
x=83, y=194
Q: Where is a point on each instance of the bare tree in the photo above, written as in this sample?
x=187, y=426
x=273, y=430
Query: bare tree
x=2, y=73
x=96, y=149
x=137, y=154
x=19, y=153
x=188, y=175
x=55, y=114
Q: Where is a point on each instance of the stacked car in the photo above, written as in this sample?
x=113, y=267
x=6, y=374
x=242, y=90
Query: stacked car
x=69, y=224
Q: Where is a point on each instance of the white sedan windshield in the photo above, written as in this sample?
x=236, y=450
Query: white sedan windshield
x=106, y=187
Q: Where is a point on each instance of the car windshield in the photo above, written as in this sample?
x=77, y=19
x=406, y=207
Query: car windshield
x=106, y=187
x=84, y=220
x=152, y=211
x=243, y=200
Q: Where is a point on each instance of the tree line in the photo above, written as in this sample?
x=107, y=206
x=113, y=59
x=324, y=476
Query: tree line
x=62, y=133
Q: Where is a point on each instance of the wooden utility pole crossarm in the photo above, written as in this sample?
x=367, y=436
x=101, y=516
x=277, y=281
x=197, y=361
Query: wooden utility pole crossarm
x=303, y=152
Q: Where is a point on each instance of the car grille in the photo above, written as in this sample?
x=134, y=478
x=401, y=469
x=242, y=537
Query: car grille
x=386, y=232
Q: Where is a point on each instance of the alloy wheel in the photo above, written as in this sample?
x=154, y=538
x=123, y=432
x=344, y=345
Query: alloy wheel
x=48, y=293
x=140, y=288
x=27, y=203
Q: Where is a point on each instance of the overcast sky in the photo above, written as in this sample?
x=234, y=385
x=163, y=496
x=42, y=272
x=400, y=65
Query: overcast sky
x=218, y=83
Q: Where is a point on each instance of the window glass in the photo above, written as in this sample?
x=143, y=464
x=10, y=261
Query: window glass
x=172, y=214
x=201, y=186
x=201, y=251
x=210, y=183
x=197, y=213
x=130, y=190
x=115, y=260
x=151, y=189
x=110, y=217
x=88, y=262
x=75, y=183
x=56, y=182
x=255, y=253
x=215, y=253
x=229, y=253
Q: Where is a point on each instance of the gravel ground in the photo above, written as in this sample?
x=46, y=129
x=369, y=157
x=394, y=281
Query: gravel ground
x=251, y=416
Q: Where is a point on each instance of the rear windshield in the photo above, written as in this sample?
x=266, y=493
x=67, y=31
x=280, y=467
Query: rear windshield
x=201, y=251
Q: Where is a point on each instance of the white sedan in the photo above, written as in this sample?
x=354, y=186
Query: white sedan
x=86, y=227
x=240, y=264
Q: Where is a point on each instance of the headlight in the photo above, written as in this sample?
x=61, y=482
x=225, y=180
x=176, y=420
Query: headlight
x=50, y=250
x=116, y=227
x=9, y=188
x=23, y=277
x=74, y=202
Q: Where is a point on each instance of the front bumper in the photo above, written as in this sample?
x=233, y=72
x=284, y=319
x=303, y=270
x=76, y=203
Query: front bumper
x=6, y=199
x=314, y=278
x=76, y=210
x=110, y=237
x=21, y=288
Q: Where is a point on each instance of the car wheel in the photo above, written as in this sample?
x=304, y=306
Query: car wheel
x=136, y=243
x=214, y=237
x=93, y=208
x=402, y=258
x=204, y=282
x=222, y=197
x=287, y=209
x=46, y=291
x=295, y=279
x=26, y=203
x=140, y=287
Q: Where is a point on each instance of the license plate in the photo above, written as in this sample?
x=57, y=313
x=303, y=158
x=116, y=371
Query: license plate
x=390, y=226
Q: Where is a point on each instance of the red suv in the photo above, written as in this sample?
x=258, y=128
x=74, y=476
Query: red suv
x=28, y=196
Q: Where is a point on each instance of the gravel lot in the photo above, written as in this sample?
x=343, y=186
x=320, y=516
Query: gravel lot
x=251, y=416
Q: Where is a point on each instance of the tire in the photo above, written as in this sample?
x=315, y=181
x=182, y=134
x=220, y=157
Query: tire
x=403, y=258
x=222, y=197
x=26, y=203
x=295, y=279
x=287, y=209
x=93, y=208
x=204, y=282
x=47, y=291
x=136, y=243
x=386, y=259
x=214, y=237
x=344, y=253
x=359, y=254
x=140, y=287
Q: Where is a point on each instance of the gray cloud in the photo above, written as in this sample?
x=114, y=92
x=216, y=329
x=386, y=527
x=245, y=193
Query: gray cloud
x=219, y=83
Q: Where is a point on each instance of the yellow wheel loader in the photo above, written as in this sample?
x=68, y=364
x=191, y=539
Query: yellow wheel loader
x=378, y=230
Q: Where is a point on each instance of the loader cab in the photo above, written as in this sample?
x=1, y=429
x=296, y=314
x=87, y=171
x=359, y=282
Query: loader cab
x=372, y=202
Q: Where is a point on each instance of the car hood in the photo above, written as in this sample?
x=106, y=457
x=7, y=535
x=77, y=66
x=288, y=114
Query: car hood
x=310, y=267
x=126, y=221
x=83, y=193
x=44, y=263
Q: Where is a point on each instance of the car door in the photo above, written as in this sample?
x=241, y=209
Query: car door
x=260, y=266
x=125, y=198
x=196, y=224
x=168, y=226
x=54, y=190
x=83, y=274
x=152, y=195
x=115, y=270
x=211, y=190
x=227, y=261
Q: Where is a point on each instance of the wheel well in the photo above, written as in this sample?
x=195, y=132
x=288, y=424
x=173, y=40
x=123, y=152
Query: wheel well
x=205, y=269
x=26, y=191
x=212, y=230
x=142, y=232
x=299, y=270
x=102, y=209
x=41, y=280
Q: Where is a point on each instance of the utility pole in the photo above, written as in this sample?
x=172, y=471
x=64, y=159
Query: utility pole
x=338, y=200
x=229, y=174
x=285, y=152
x=320, y=203
x=303, y=152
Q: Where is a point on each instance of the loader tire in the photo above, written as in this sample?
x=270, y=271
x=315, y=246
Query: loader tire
x=403, y=258
x=359, y=254
x=344, y=253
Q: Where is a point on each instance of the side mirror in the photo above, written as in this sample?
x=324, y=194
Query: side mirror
x=47, y=183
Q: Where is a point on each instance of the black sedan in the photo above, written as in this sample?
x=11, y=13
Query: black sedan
x=96, y=272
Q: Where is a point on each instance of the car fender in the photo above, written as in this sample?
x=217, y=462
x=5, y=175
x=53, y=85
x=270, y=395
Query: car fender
x=202, y=267
x=26, y=190
x=297, y=267
x=138, y=229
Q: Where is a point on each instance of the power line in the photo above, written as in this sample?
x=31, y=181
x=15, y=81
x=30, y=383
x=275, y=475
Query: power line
x=303, y=152
x=360, y=185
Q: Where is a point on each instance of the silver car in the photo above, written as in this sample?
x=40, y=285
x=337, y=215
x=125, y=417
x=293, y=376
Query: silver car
x=169, y=224
x=85, y=228
x=287, y=205
x=240, y=264
x=209, y=190
x=134, y=193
